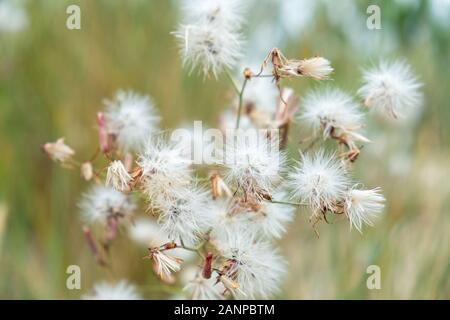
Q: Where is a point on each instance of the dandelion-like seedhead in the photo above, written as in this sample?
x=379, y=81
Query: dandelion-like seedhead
x=131, y=118
x=361, y=206
x=165, y=169
x=220, y=13
x=208, y=49
x=185, y=217
x=331, y=111
x=391, y=88
x=253, y=162
x=100, y=203
x=320, y=180
x=254, y=265
x=209, y=38
x=120, y=290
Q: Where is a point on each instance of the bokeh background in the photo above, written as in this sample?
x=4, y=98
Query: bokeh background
x=53, y=80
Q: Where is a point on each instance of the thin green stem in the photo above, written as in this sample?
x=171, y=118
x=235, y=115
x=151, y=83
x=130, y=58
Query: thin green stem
x=298, y=204
x=241, y=95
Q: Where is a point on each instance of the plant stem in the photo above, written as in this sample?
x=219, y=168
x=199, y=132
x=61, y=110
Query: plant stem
x=298, y=204
x=241, y=94
x=197, y=250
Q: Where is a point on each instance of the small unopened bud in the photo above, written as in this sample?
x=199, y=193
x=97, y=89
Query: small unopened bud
x=103, y=137
x=135, y=175
x=87, y=171
x=248, y=73
x=170, y=245
x=219, y=187
x=58, y=151
x=207, y=266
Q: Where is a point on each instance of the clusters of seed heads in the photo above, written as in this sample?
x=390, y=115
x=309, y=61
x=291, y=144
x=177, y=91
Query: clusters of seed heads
x=231, y=217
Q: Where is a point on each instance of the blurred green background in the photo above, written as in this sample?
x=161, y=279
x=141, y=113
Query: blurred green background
x=53, y=80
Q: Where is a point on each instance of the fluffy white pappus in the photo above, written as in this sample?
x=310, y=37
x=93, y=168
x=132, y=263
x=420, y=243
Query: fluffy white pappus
x=262, y=94
x=117, y=176
x=210, y=49
x=320, y=180
x=331, y=109
x=166, y=169
x=101, y=202
x=165, y=264
x=391, y=88
x=252, y=161
x=220, y=13
x=271, y=219
x=13, y=16
x=361, y=206
x=120, y=290
x=203, y=289
x=317, y=68
x=255, y=266
x=185, y=218
x=224, y=216
x=131, y=118
x=147, y=233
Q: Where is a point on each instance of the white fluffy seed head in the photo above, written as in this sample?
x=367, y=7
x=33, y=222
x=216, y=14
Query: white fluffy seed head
x=131, y=118
x=120, y=290
x=391, y=88
x=331, y=109
x=101, y=202
x=209, y=36
x=165, y=167
x=320, y=180
x=223, y=13
x=203, y=289
x=361, y=206
x=256, y=267
x=253, y=162
x=271, y=219
x=211, y=50
x=185, y=217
